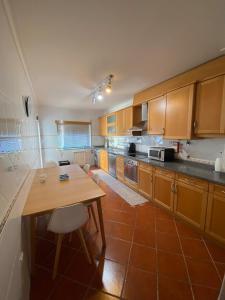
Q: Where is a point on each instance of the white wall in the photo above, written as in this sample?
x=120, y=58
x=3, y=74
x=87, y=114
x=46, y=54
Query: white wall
x=49, y=137
x=14, y=167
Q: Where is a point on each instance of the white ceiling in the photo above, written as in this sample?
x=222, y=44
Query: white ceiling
x=69, y=46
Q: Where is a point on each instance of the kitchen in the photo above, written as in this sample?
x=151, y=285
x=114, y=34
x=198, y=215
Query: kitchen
x=112, y=150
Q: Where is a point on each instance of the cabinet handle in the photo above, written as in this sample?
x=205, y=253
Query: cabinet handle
x=195, y=124
x=163, y=130
x=172, y=187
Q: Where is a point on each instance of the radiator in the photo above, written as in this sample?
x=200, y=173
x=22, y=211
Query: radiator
x=82, y=157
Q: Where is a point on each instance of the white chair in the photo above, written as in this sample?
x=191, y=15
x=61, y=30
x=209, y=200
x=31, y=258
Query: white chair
x=51, y=164
x=66, y=220
x=91, y=211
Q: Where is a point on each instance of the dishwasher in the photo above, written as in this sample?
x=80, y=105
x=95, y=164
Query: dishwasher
x=112, y=164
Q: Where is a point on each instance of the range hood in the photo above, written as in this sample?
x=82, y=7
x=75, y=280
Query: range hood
x=140, y=120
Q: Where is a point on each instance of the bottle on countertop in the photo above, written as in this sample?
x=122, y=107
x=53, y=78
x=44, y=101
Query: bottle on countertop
x=219, y=163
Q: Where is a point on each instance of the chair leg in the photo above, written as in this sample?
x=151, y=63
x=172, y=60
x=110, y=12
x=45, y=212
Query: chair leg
x=57, y=254
x=84, y=245
x=94, y=217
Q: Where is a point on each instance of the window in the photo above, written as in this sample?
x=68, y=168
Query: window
x=74, y=134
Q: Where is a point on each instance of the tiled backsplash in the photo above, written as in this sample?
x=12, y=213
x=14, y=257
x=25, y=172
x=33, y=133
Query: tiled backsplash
x=201, y=150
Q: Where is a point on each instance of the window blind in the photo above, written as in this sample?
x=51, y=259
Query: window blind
x=74, y=134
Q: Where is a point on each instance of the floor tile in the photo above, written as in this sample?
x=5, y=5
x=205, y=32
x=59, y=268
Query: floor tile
x=44, y=249
x=97, y=295
x=68, y=290
x=80, y=270
x=66, y=256
x=186, y=231
x=218, y=253
x=118, y=230
x=172, y=265
x=42, y=284
x=162, y=214
x=195, y=248
x=173, y=289
x=140, y=285
x=117, y=250
x=145, y=223
x=204, y=293
x=166, y=226
x=168, y=242
x=109, y=277
x=118, y=216
x=144, y=236
x=221, y=269
x=73, y=242
x=203, y=273
x=143, y=257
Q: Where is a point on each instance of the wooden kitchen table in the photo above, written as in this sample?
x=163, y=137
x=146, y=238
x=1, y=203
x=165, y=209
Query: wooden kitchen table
x=45, y=197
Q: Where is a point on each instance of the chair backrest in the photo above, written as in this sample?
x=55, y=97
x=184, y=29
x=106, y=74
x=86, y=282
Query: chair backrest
x=67, y=219
x=96, y=178
x=86, y=168
x=51, y=164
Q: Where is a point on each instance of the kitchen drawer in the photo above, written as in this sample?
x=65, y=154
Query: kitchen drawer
x=145, y=166
x=202, y=184
x=163, y=172
x=218, y=190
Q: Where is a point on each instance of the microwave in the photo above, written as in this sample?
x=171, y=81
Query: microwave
x=161, y=153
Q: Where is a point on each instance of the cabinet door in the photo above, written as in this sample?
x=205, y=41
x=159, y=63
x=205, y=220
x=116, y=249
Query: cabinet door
x=120, y=122
x=215, y=221
x=163, y=190
x=156, y=115
x=104, y=160
x=179, y=110
x=102, y=125
x=145, y=182
x=210, y=107
x=128, y=119
x=190, y=204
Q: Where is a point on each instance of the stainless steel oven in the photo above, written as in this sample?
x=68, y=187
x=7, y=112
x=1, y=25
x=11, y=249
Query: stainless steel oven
x=131, y=169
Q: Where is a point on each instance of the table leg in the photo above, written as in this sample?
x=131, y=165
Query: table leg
x=99, y=207
x=32, y=242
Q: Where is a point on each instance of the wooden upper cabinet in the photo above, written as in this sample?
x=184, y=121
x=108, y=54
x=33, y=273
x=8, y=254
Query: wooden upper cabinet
x=128, y=118
x=156, y=115
x=111, y=124
x=124, y=120
x=120, y=122
x=102, y=126
x=179, y=111
x=210, y=107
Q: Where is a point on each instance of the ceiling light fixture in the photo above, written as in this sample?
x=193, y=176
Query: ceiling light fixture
x=105, y=85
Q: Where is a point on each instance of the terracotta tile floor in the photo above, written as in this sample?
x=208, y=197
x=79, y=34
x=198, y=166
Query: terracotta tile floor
x=149, y=255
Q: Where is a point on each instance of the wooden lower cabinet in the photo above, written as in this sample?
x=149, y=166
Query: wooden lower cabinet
x=215, y=220
x=120, y=168
x=190, y=203
x=163, y=190
x=103, y=160
x=145, y=182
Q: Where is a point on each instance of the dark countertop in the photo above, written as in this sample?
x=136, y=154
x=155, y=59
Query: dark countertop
x=201, y=171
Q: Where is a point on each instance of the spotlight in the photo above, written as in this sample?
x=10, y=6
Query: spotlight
x=108, y=89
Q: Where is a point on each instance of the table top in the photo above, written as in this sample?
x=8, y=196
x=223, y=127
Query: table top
x=53, y=193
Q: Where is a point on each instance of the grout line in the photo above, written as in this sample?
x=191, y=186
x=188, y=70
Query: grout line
x=185, y=262
x=129, y=256
x=217, y=271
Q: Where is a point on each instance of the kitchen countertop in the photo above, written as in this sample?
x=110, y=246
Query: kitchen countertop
x=201, y=171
